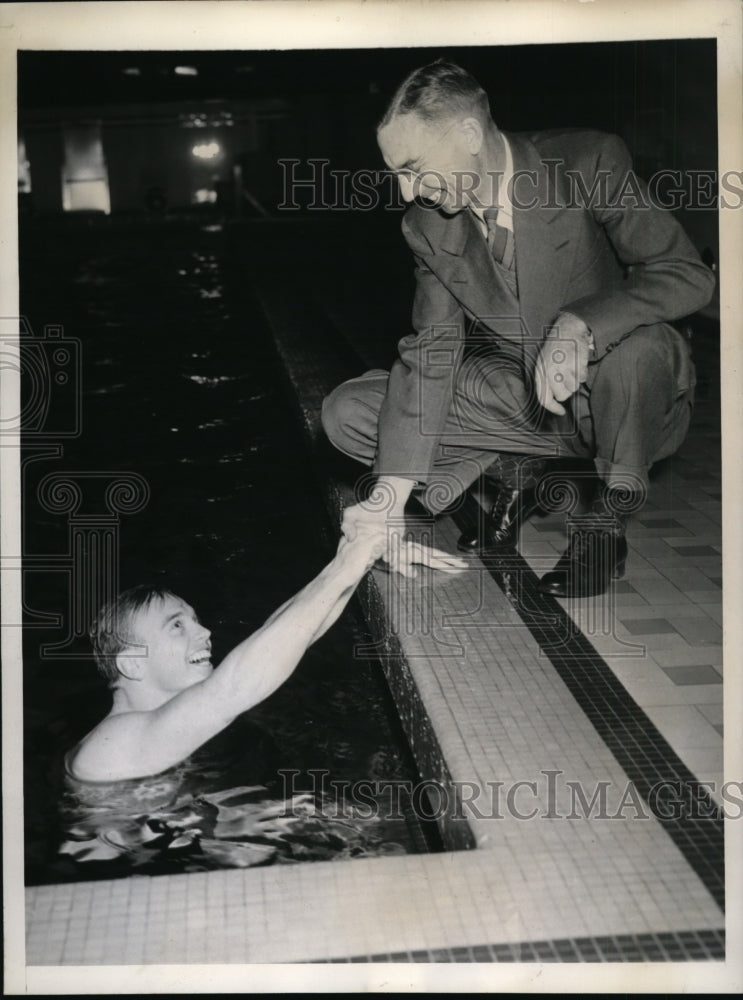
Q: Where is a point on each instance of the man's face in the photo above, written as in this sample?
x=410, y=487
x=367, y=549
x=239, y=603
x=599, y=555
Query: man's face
x=177, y=650
x=431, y=160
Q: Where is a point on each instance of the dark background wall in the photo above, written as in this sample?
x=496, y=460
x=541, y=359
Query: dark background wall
x=659, y=95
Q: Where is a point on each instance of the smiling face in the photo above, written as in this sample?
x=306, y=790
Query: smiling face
x=433, y=160
x=170, y=647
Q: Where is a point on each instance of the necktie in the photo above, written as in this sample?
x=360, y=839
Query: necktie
x=500, y=239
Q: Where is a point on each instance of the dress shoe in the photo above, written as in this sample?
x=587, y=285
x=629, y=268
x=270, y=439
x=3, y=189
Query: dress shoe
x=595, y=556
x=499, y=528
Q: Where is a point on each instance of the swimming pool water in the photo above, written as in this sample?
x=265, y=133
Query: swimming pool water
x=179, y=384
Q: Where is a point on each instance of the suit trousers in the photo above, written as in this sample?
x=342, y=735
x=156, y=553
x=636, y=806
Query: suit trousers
x=633, y=409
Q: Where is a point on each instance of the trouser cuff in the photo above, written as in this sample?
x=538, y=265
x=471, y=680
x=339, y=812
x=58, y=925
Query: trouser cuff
x=627, y=478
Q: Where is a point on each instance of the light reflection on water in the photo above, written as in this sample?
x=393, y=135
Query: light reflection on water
x=231, y=526
x=178, y=821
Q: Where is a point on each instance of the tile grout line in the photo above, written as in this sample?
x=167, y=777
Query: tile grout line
x=579, y=671
x=583, y=670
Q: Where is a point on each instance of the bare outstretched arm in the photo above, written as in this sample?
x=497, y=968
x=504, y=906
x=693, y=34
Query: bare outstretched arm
x=136, y=743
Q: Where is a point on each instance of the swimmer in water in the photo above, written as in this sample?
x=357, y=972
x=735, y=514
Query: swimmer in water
x=169, y=699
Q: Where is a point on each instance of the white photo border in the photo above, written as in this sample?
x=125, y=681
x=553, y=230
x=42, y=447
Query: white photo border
x=331, y=24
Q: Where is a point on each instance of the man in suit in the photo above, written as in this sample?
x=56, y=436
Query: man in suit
x=545, y=284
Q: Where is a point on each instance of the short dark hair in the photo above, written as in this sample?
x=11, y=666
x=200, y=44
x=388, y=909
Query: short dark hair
x=437, y=91
x=110, y=632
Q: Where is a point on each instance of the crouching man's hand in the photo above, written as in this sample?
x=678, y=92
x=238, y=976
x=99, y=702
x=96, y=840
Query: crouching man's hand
x=402, y=556
x=562, y=364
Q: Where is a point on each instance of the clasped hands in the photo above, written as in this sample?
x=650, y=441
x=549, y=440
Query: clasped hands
x=562, y=364
x=384, y=531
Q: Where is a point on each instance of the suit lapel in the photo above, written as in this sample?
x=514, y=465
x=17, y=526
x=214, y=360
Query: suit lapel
x=475, y=280
x=543, y=238
x=454, y=249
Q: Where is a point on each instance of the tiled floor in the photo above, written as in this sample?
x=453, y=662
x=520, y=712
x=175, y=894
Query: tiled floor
x=503, y=709
x=666, y=614
x=664, y=639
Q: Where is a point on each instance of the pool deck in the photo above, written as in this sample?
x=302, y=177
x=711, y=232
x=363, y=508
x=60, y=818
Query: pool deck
x=516, y=714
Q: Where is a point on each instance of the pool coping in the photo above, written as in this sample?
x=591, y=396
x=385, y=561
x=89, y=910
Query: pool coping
x=381, y=909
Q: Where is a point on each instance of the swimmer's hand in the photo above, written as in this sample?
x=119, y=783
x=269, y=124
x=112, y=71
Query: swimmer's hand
x=358, y=556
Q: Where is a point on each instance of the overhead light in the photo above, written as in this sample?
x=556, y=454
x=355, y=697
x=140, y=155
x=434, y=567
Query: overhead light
x=186, y=71
x=205, y=196
x=199, y=119
x=132, y=71
x=206, y=150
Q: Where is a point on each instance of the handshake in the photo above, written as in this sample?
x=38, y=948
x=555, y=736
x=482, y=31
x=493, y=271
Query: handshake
x=373, y=534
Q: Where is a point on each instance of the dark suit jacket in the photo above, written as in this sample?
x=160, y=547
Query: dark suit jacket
x=610, y=257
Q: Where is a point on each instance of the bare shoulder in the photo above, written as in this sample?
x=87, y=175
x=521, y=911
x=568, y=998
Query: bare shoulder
x=109, y=751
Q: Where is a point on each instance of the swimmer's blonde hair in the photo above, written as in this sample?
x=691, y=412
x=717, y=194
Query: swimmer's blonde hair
x=110, y=632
